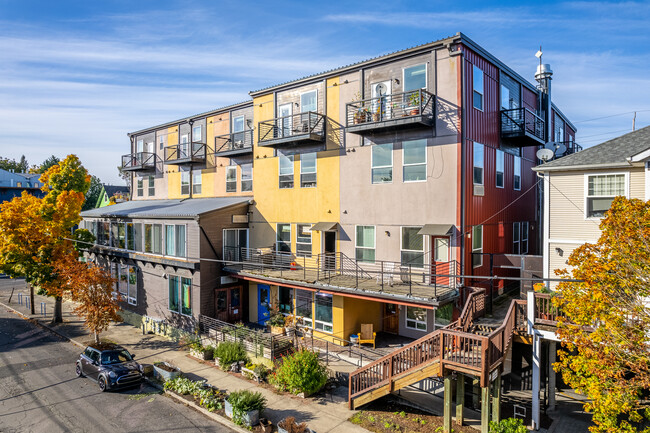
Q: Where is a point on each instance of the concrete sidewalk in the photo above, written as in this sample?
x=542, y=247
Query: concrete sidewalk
x=325, y=414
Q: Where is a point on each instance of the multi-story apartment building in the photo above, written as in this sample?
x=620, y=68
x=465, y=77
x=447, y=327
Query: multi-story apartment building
x=364, y=194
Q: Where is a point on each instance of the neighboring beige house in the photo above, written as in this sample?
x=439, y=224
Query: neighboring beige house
x=579, y=189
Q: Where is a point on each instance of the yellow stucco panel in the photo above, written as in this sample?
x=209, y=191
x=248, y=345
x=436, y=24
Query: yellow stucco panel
x=358, y=311
x=262, y=110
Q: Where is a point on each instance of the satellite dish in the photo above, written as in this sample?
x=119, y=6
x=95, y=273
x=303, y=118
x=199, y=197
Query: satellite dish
x=544, y=154
x=381, y=89
x=560, y=148
x=551, y=145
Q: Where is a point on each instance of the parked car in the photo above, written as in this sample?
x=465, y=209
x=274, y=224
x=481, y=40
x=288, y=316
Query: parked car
x=112, y=366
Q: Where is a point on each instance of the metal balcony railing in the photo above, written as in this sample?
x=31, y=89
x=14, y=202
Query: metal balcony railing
x=185, y=153
x=521, y=123
x=302, y=127
x=570, y=146
x=139, y=161
x=234, y=143
x=391, y=111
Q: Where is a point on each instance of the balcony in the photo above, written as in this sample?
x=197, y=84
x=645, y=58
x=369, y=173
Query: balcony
x=237, y=143
x=565, y=148
x=139, y=161
x=303, y=128
x=521, y=127
x=429, y=284
x=414, y=109
x=185, y=153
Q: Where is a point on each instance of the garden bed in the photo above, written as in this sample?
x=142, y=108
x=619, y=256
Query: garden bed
x=387, y=415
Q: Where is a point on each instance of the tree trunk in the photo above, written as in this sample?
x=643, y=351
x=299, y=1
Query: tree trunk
x=57, y=315
x=97, y=337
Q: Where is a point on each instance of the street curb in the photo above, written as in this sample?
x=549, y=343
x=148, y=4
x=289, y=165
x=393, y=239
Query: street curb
x=43, y=326
x=221, y=420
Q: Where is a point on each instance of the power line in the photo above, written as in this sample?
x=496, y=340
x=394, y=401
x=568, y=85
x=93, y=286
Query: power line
x=612, y=115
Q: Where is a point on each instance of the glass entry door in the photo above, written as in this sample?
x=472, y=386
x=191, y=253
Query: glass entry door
x=440, y=262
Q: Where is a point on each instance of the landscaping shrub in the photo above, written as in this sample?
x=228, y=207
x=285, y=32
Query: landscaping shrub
x=229, y=352
x=207, y=397
x=245, y=401
x=508, y=425
x=300, y=372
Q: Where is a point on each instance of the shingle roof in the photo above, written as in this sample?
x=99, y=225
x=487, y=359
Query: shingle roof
x=111, y=190
x=180, y=208
x=612, y=152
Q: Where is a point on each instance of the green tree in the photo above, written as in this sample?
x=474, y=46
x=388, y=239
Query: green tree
x=607, y=320
x=93, y=193
x=18, y=167
x=45, y=165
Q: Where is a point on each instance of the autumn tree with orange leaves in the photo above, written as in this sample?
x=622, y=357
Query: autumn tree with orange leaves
x=606, y=332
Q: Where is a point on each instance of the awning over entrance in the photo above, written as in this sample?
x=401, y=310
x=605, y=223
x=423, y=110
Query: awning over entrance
x=437, y=230
x=325, y=227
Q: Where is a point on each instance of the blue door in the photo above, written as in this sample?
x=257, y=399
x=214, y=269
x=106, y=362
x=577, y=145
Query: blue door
x=263, y=304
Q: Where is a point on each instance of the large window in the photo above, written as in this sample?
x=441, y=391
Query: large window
x=174, y=283
x=500, y=164
x=309, y=102
x=382, y=163
x=524, y=237
x=479, y=163
x=308, y=170
x=303, y=240
x=231, y=178
x=601, y=190
x=180, y=242
x=121, y=235
x=415, y=77
x=477, y=246
x=246, y=176
x=478, y=88
x=196, y=182
x=233, y=242
x=152, y=186
x=175, y=240
x=412, y=247
x=414, y=156
x=196, y=134
x=132, y=290
x=186, y=296
x=303, y=306
x=517, y=173
x=285, y=300
x=516, y=238
x=140, y=187
x=323, y=313
x=153, y=238
x=180, y=295
x=283, y=238
x=559, y=129
x=130, y=237
x=169, y=240
x=416, y=318
x=286, y=170
x=365, y=244
x=185, y=181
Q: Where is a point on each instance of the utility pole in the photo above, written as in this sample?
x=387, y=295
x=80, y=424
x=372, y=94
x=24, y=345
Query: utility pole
x=634, y=122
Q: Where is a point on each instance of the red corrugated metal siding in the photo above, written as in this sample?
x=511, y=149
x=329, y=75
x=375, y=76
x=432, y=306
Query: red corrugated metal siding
x=570, y=134
x=529, y=99
x=492, y=209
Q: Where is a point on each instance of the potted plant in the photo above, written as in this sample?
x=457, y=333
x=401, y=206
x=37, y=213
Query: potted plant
x=228, y=353
x=245, y=407
x=165, y=371
x=414, y=103
x=289, y=425
x=276, y=322
x=198, y=350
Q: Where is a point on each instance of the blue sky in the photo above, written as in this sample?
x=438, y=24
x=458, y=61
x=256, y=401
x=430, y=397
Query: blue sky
x=75, y=77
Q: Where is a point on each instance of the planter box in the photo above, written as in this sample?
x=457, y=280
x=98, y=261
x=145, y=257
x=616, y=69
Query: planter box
x=164, y=375
x=281, y=430
x=147, y=369
x=204, y=355
x=277, y=330
x=250, y=418
x=266, y=425
x=250, y=372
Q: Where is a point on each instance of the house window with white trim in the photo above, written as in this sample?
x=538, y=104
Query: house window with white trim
x=246, y=176
x=140, y=188
x=478, y=164
x=152, y=186
x=303, y=240
x=185, y=181
x=308, y=170
x=197, y=177
x=601, y=190
x=283, y=238
x=365, y=244
x=180, y=295
x=323, y=312
x=196, y=134
x=416, y=318
x=412, y=252
x=517, y=173
x=500, y=163
x=132, y=290
x=414, y=160
x=231, y=178
x=286, y=170
x=477, y=246
x=382, y=163
x=478, y=81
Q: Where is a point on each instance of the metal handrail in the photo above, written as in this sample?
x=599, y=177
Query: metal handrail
x=183, y=151
x=138, y=159
x=234, y=141
x=309, y=122
x=390, y=107
x=520, y=121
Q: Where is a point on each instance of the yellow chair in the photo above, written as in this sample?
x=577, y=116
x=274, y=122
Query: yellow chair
x=367, y=335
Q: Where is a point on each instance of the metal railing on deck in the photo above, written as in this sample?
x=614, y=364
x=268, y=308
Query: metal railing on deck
x=309, y=122
x=519, y=121
x=138, y=160
x=185, y=151
x=323, y=268
x=390, y=107
x=234, y=142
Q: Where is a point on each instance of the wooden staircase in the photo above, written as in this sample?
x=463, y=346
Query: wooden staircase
x=453, y=348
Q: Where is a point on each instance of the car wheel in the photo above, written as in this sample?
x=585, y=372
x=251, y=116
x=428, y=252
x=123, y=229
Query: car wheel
x=102, y=383
x=78, y=370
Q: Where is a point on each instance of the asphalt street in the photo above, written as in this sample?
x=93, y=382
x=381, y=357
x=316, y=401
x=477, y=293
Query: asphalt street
x=39, y=391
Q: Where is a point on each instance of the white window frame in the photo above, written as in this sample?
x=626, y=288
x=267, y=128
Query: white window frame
x=401, y=245
x=151, y=190
x=277, y=238
x=475, y=90
x=372, y=166
x=426, y=76
x=292, y=174
x=320, y=325
x=306, y=321
x=415, y=322
x=224, y=246
x=477, y=250
x=482, y=166
x=241, y=177
x=243, y=123
x=516, y=173
x=298, y=242
x=516, y=238
x=404, y=165
x=524, y=236
x=356, y=243
x=505, y=91
x=230, y=169
x=161, y=142
x=626, y=188
x=197, y=174
x=185, y=180
x=140, y=186
x=139, y=146
x=194, y=134
x=500, y=162
x=315, y=172
x=306, y=93
x=132, y=300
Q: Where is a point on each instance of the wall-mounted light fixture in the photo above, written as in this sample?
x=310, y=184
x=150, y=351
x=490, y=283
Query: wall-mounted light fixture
x=559, y=251
x=397, y=81
x=387, y=233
